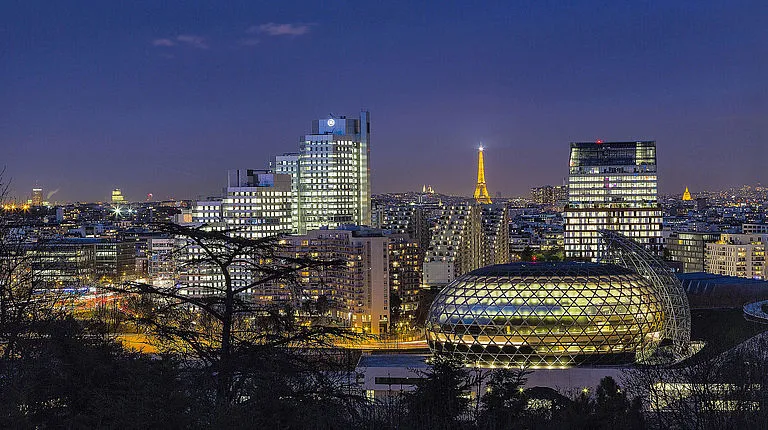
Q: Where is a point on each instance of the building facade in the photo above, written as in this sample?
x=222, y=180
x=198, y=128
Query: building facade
x=690, y=248
x=754, y=228
x=405, y=260
x=741, y=255
x=115, y=261
x=37, y=197
x=288, y=164
x=612, y=186
x=117, y=196
x=356, y=291
x=257, y=204
x=68, y=263
x=161, y=260
x=466, y=237
x=332, y=173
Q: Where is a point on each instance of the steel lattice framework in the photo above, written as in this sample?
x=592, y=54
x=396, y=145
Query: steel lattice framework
x=623, y=251
x=547, y=314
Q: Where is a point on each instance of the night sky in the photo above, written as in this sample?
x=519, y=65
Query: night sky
x=164, y=97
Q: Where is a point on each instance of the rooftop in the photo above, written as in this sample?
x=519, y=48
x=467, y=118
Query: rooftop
x=550, y=269
x=409, y=361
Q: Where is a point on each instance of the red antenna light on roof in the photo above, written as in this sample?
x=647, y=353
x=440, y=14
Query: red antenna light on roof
x=599, y=141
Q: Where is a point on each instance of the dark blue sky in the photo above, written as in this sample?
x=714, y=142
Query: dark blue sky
x=163, y=97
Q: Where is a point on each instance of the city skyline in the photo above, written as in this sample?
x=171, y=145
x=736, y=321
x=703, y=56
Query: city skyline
x=166, y=99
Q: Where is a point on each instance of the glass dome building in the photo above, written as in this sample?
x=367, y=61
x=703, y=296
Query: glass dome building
x=547, y=315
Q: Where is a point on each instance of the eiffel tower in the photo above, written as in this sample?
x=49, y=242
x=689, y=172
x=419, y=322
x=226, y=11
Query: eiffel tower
x=481, y=193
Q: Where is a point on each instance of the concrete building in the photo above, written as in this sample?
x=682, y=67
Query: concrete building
x=331, y=173
x=754, y=228
x=495, y=220
x=741, y=255
x=356, y=291
x=37, y=197
x=405, y=260
x=208, y=212
x=117, y=196
x=288, y=164
x=257, y=204
x=114, y=261
x=456, y=247
x=611, y=185
x=548, y=195
x=689, y=248
x=161, y=266
x=403, y=218
x=466, y=237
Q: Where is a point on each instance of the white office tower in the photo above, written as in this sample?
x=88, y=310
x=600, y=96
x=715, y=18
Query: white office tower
x=258, y=204
x=612, y=186
x=288, y=164
x=333, y=174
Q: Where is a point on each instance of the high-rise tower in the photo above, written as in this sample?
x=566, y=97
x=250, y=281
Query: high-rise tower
x=481, y=192
x=612, y=186
x=332, y=173
x=117, y=196
x=37, y=196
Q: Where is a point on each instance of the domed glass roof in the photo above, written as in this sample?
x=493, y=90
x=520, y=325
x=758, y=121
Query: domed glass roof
x=546, y=314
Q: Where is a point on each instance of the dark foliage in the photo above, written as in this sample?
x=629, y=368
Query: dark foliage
x=73, y=379
x=440, y=399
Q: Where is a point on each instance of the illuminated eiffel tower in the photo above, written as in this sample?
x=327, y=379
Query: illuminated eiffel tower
x=481, y=192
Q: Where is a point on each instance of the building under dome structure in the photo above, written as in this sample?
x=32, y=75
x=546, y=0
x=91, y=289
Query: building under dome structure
x=676, y=338
x=547, y=315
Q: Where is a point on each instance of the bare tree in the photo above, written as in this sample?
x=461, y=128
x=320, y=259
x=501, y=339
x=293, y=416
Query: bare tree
x=25, y=309
x=245, y=345
x=722, y=392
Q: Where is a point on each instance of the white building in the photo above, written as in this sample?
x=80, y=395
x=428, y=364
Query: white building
x=288, y=164
x=258, y=204
x=207, y=212
x=161, y=265
x=357, y=292
x=331, y=174
x=754, y=228
x=741, y=255
x=466, y=237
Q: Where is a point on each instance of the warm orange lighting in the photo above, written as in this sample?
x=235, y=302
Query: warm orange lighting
x=481, y=192
x=687, y=195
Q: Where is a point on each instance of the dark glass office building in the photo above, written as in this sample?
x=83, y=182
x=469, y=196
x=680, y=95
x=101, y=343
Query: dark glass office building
x=613, y=186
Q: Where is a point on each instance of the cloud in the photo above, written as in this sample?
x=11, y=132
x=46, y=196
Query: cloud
x=273, y=29
x=193, y=41
x=163, y=42
x=198, y=42
x=249, y=42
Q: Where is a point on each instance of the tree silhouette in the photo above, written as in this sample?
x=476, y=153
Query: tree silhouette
x=259, y=358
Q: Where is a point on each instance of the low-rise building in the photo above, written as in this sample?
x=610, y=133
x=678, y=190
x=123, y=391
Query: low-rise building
x=741, y=255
